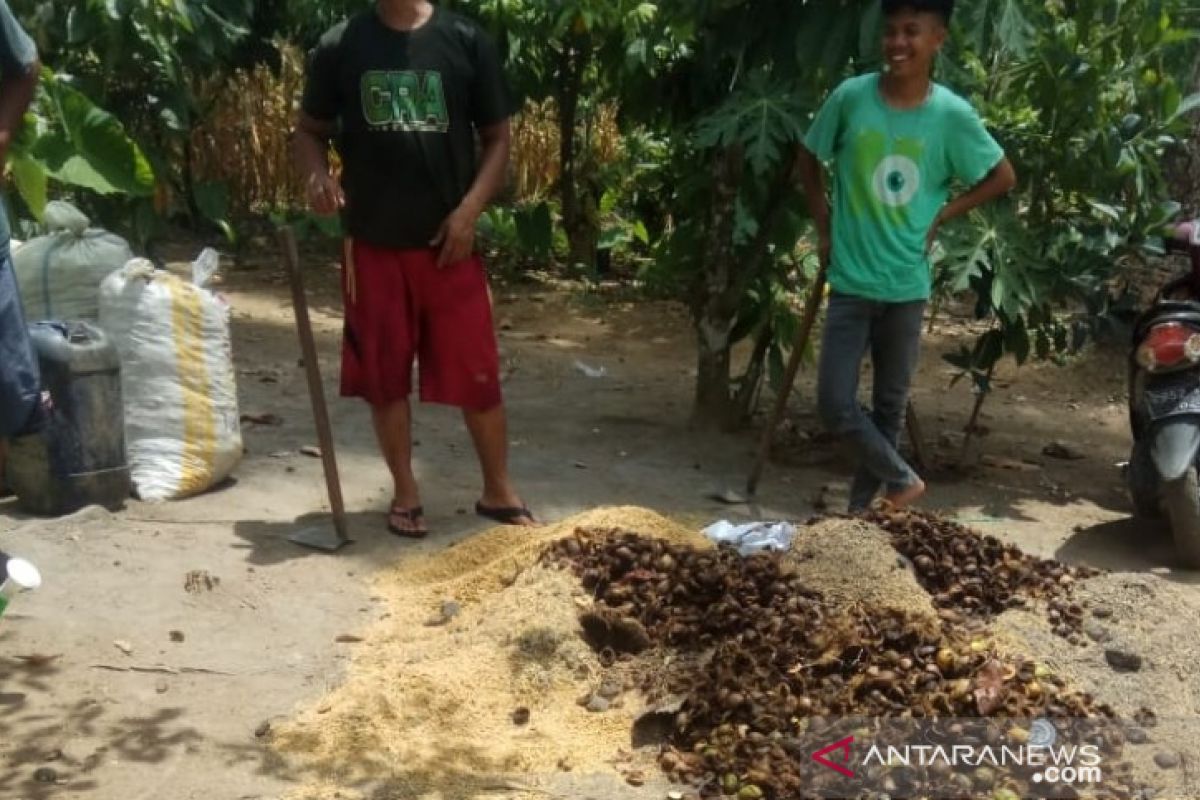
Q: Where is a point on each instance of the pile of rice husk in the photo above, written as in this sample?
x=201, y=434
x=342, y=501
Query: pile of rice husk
x=427, y=710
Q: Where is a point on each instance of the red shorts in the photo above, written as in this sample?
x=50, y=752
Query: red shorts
x=400, y=306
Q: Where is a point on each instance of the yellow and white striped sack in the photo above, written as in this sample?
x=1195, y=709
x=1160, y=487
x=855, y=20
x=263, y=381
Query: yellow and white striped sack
x=182, y=427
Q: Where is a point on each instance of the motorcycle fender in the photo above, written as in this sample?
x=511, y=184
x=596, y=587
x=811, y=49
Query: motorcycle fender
x=1174, y=448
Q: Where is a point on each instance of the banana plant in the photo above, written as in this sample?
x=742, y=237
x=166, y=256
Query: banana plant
x=147, y=62
x=69, y=140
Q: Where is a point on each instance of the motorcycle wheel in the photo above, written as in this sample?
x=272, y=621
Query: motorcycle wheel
x=1181, y=499
x=1143, y=485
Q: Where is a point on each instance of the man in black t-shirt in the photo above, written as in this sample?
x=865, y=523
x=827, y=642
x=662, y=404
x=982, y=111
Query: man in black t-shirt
x=404, y=90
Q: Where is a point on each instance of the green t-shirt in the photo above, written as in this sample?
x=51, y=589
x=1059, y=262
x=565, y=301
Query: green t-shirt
x=407, y=104
x=893, y=171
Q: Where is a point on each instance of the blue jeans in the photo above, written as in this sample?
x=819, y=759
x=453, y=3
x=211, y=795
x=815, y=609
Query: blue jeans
x=892, y=331
x=20, y=383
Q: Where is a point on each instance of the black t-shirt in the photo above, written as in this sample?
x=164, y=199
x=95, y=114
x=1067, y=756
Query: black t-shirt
x=407, y=105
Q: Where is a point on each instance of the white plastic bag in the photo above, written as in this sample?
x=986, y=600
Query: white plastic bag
x=752, y=537
x=60, y=273
x=182, y=427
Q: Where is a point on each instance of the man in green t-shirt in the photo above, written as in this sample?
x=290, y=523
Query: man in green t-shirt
x=405, y=89
x=897, y=142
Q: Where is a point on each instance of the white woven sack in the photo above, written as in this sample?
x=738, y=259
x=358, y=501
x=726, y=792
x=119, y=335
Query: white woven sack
x=182, y=427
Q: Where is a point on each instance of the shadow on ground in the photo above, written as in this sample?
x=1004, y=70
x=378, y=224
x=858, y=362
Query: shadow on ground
x=446, y=770
x=266, y=542
x=1127, y=545
x=37, y=767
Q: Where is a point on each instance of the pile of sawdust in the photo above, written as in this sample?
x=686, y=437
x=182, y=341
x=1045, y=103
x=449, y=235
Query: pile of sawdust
x=427, y=710
x=487, y=563
x=851, y=561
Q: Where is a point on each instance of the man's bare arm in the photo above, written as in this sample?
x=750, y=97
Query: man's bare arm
x=456, y=238
x=812, y=178
x=496, y=142
x=310, y=151
x=999, y=182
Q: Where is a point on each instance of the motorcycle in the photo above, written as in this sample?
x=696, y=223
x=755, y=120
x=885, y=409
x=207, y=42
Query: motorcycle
x=1164, y=403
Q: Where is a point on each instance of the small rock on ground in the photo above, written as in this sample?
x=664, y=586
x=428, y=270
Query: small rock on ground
x=1096, y=632
x=1166, y=760
x=610, y=689
x=446, y=613
x=1123, y=659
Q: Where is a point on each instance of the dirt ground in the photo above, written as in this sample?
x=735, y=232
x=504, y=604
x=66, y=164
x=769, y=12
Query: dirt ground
x=169, y=638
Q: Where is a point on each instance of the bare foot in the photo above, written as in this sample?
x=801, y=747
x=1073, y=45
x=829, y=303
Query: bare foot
x=906, y=496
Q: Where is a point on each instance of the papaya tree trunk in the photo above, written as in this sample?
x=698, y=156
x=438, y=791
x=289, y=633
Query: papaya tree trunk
x=728, y=274
x=714, y=316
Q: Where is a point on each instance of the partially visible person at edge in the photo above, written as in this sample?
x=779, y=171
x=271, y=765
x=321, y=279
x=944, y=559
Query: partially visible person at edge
x=23, y=408
x=897, y=142
x=403, y=89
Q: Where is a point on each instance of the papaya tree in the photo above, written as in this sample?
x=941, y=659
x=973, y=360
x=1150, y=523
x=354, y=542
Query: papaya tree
x=1088, y=100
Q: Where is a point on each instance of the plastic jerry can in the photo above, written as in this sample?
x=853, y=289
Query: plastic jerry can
x=79, y=458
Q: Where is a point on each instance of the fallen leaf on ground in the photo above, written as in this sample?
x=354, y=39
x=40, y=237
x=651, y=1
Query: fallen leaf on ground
x=38, y=660
x=310, y=450
x=989, y=687
x=262, y=419
x=124, y=646
x=999, y=462
x=199, y=580
x=347, y=638
x=1062, y=451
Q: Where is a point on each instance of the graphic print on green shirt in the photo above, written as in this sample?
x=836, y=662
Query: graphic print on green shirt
x=893, y=170
x=405, y=100
x=886, y=179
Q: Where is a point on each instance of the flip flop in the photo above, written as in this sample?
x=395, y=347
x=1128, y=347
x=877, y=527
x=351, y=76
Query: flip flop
x=505, y=515
x=410, y=514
